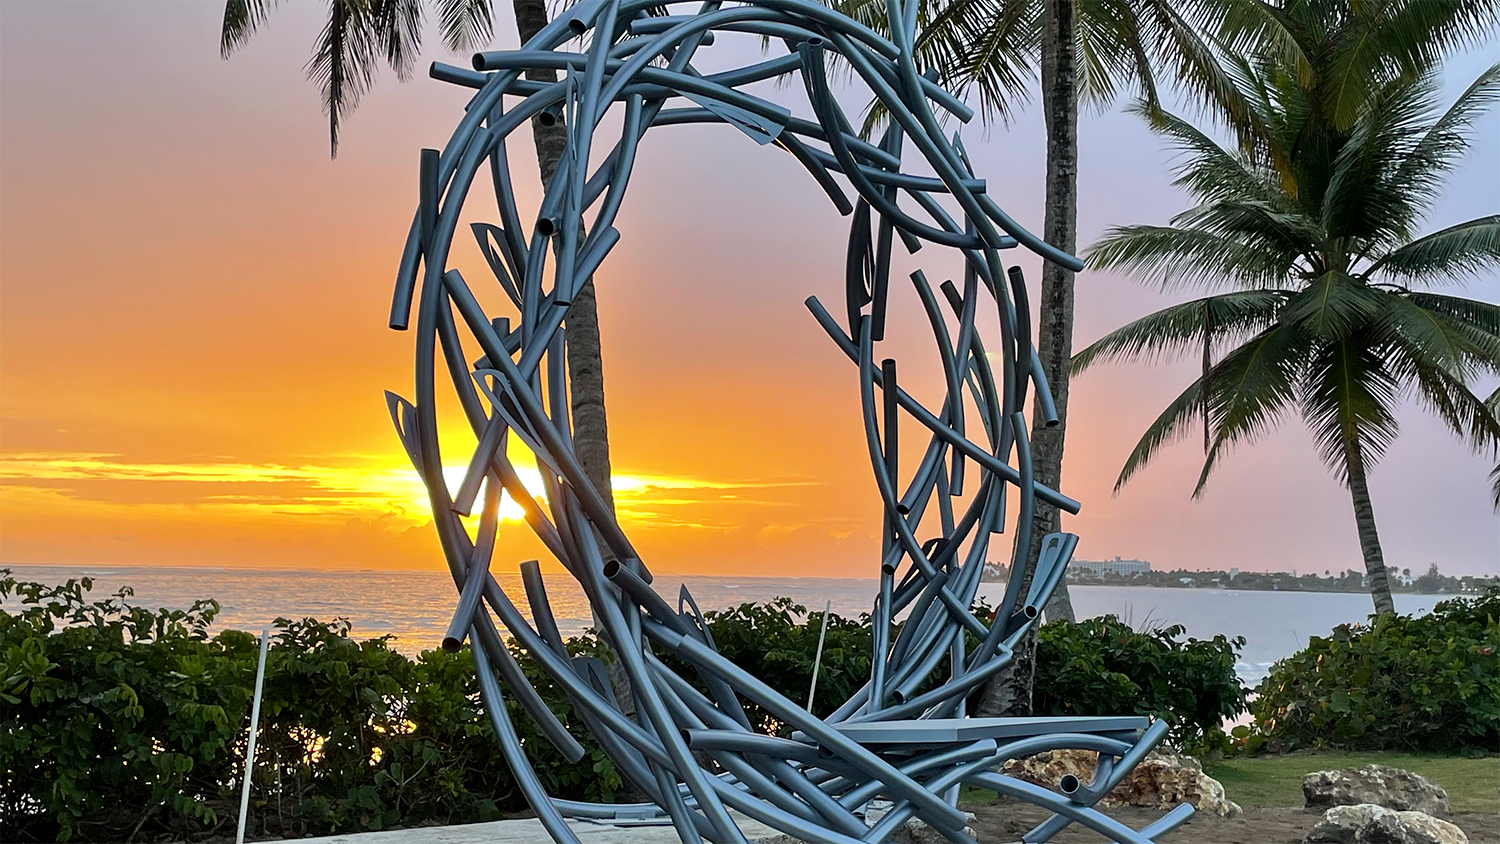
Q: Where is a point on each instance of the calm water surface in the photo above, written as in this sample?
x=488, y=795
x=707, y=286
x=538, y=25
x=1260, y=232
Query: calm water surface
x=414, y=606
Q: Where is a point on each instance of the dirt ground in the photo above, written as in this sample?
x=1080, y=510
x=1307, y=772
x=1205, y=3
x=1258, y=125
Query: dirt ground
x=1003, y=822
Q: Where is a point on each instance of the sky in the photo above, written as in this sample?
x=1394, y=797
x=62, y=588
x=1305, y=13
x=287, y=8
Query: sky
x=193, y=348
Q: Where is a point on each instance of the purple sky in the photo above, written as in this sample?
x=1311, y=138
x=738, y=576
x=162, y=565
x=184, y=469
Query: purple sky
x=186, y=280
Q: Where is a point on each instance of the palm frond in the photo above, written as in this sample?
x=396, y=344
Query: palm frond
x=1432, y=157
x=344, y=61
x=1249, y=391
x=1495, y=486
x=1247, y=111
x=1465, y=413
x=1358, y=61
x=1111, y=54
x=1350, y=396
x=1362, y=200
x=989, y=46
x=1259, y=27
x=1333, y=306
x=1182, y=37
x=1429, y=338
x=465, y=24
x=1414, y=35
x=1208, y=171
x=1173, y=331
x=398, y=24
x=1472, y=314
x=1173, y=424
x=1466, y=249
x=241, y=19
x=1492, y=404
x=1171, y=257
x=1281, y=228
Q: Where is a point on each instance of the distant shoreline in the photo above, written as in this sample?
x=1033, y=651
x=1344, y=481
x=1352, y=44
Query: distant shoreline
x=1244, y=581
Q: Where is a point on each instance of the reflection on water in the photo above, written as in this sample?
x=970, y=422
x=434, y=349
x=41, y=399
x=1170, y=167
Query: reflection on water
x=414, y=607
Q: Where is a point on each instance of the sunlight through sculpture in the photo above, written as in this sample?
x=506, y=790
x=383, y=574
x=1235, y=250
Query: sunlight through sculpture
x=904, y=737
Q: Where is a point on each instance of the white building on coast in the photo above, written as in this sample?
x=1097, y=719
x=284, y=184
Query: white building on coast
x=1115, y=566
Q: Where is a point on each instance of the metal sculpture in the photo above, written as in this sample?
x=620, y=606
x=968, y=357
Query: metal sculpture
x=904, y=737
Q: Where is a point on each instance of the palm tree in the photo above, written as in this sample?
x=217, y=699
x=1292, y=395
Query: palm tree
x=357, y=37
x=1087, y=52
x=1305, y=232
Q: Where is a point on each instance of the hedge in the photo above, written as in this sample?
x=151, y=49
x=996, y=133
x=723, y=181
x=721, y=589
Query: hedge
x=122, y=723
x=1400, y=682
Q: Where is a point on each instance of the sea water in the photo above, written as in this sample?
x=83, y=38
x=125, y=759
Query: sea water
x=415, y=606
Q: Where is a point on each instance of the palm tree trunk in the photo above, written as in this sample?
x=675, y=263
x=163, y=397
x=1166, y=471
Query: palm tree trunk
x=1369, y=540
x=585, y=362
x=1060, y=228
x=1010, y=692
x=584, y=351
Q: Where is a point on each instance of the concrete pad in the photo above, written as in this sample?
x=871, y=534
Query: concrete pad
x=530, y=831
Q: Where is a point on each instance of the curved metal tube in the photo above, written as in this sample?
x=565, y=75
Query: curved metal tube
x=642, y=62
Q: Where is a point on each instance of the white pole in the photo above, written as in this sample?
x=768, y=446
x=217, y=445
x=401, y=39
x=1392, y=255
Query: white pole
x=260, y=684
x=818, y=660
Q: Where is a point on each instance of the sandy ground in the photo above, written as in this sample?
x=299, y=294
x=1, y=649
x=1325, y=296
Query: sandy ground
x=1003, y=822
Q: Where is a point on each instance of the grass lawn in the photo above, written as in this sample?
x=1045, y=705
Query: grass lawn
x=1473, y=785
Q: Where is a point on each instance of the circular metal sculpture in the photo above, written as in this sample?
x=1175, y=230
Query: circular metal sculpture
x=904, y=737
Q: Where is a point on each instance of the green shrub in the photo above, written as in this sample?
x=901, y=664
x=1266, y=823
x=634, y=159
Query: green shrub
x=117, y=721
x=1101, y=666
x=778, y=641
x=1097, y=667
x=1427, y=683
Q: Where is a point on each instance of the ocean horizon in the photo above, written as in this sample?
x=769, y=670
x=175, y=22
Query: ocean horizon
x=414, y=606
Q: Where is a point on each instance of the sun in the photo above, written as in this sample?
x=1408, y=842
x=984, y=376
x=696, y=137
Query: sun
x=403, y=490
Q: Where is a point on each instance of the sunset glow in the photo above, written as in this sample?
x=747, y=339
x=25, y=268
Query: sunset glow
x=193, y=341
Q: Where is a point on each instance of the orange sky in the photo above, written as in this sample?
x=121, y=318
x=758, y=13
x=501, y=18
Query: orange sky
x=193, y=350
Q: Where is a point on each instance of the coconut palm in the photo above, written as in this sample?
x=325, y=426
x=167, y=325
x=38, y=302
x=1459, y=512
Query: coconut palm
x=1323, y=302
x=357, y=37
x=1087, y=52
x=360, y=35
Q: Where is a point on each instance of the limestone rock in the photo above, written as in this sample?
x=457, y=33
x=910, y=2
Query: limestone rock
x=1381, y=785
x=1340, y=824
x=1409, y=828
x=1162, y=780
x=917, y=831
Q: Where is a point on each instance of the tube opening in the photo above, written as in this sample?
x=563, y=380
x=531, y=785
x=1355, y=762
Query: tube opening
x=1068, y=784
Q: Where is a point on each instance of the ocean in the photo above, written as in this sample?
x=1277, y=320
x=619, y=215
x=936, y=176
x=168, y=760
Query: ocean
x=414, y=607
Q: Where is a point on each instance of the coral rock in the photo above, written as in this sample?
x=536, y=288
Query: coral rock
x=1409, y=828
x=1162, y=780
x=1340, y=824
x=916, y=831
x=1392, y=788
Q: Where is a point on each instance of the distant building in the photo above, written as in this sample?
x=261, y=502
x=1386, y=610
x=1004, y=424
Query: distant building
x=1115, y=566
